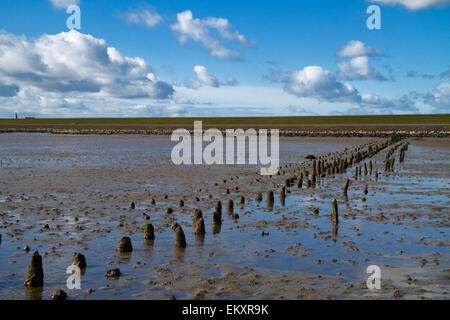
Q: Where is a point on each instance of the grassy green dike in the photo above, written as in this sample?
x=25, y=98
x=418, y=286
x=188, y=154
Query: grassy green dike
x=441, y=119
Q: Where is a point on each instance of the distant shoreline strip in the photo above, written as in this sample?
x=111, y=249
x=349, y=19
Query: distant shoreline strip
x=311, y=131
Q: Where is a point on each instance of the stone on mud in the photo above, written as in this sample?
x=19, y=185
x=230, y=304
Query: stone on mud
x=59, y=295
x=113, y=273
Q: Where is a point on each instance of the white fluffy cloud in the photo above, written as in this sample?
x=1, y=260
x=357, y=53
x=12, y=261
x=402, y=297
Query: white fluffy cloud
x=356, y=48
x=76, y=62
x=146, y=17
x=415, y=4
x=388, y=104
x=357, y=67
x=73, y=74
x=63, y=4
x=320, y=84
x=34, y=102
x=440, y=98
x=316, y=82
x=203, y=78
x=199, y=30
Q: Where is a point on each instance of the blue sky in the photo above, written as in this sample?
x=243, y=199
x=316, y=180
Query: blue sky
x=223, y=58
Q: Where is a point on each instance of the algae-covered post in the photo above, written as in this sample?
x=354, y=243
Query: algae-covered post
x=79, y=260
x=283, y=192
x=346, y=185
x=300, y=182
x=219, y=207
x=197, y=215
x=217, y=218
x=230, y=206
x=149, y=232
x=199, y=227
x=270, y=197
x=335, y=213
x=124, y=245
x=180, y=239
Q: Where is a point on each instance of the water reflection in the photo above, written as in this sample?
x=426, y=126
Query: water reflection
x=216, y=229
x=124, y=256
x=200, y=239
x=148, y=244
x=179, y=253
x=334, y=232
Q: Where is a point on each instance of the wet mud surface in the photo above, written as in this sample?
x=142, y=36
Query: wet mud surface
x=61, y=194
